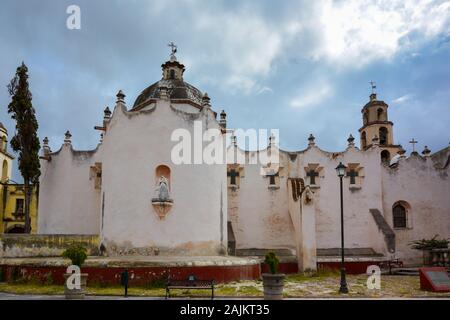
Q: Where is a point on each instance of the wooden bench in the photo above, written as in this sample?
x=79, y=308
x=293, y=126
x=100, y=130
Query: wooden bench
x=191, y=282
x=390, y=264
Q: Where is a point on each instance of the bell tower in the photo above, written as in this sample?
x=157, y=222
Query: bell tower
x=377, y=129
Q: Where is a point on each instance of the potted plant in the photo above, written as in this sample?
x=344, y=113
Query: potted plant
x=426, y=245
x=77, y=255
x=273, y=282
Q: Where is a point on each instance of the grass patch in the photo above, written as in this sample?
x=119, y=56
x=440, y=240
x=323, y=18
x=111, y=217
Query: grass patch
x=320, y=274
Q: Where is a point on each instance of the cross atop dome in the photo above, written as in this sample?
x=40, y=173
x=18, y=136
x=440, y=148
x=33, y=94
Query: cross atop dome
x=173, y=47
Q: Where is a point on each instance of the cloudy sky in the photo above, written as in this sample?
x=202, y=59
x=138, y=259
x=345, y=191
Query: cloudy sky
x=298, y=66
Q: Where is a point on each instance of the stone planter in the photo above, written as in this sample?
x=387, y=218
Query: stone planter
x=273, y=286
x=75, y=293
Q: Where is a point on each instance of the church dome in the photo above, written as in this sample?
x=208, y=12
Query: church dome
x=177, y=89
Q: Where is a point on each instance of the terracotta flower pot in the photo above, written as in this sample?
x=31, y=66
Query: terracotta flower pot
x=273, y=286
x=75, y=293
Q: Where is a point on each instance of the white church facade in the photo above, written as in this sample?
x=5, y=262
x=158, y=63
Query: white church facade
x=131, y=193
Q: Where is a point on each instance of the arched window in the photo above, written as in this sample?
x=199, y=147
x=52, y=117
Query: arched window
x=380, y=114
x=5, y=171
x=172, y=74
x=383, y=136
x=366, y=117
x=385, y=156
x=363, y=140
x=400, y=214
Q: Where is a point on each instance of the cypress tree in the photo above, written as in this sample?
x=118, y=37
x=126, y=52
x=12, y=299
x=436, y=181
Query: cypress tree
x=25, y=141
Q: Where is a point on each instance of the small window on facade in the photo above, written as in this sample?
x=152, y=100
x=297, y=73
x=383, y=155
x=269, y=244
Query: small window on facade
x=273, y=178
x=234, y=174
x=365, y=117
x=399, y=215
x=352, y=174
x=172, y=74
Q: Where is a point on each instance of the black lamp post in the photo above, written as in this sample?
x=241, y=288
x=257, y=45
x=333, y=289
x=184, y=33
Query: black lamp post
x=340, y=170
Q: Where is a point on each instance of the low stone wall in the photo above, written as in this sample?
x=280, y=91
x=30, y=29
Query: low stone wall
x=41, y=245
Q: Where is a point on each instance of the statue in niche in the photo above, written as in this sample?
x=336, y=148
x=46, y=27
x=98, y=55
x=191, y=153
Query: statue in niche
x=162, y=191
x=308, y=195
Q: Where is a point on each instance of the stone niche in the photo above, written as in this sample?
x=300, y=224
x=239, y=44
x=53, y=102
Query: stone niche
x=162, y=201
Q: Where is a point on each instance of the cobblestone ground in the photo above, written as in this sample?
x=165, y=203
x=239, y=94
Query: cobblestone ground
x=296, y=286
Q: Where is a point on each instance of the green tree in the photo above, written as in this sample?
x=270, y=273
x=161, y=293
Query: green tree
x=25, y=140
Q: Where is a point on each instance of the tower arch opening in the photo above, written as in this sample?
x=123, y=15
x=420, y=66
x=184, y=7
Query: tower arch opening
x=363, y=140
x=383, y=134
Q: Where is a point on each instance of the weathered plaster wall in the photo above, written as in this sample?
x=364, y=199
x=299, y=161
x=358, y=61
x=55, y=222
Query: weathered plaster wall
x=259, y=214
x=68, y=200
x=426, y=190
x=134, y=145
x=260, y=217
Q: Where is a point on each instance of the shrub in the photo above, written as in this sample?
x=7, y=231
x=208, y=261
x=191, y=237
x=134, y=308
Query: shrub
x=76, y=253
x=272, y=260
x=428, y=244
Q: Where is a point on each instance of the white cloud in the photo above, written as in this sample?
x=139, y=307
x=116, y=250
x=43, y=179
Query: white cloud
x=403, y=99
x=357, y=32
x=264, y=90
x=312, y=95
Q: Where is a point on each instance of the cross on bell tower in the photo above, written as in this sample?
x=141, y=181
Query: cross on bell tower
x=373, y=86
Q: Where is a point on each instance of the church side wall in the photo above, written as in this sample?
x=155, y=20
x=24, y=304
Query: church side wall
x=260, y=216
x=426, y=191
x=68, y=201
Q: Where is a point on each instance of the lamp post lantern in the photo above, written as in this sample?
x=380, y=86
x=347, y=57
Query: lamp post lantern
x=340, y=170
